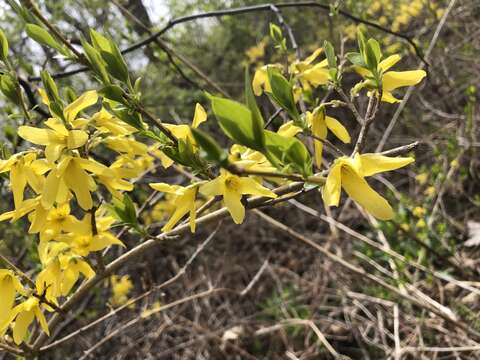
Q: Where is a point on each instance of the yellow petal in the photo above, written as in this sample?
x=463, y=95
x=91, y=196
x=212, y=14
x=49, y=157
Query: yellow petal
x=358, y=189
x=372, y=164
x=212, y=187
x=41, y=319
x=78, y=180
x=103, y=240
x=53, y=151
x=164, y=187
x=164, y=159
x=232, y=200
x=95, y=167
x=85, y=269
x=200, y=116
x=313, y=56
x=316, y=76
x=22, y=322
x=44, y=97
x=259, y=80
x=338, y=129
x=318, y=146
x=87, y=99
x=37, y=136
x=363, y=72
x=331, y=190
x=177, y=215
x=317, y=124
x=57, y=125
x=251, y=187
x=70, y=277
x=386, y=64
x=7, y=290
x=76, y=138
x=388, y=97
x=392, y=80
x=39, y=219
x=289, y=129
x=18, y=181
x=50, y=191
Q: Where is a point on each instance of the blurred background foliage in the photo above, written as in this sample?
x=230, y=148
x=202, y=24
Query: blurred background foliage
x=437, y=199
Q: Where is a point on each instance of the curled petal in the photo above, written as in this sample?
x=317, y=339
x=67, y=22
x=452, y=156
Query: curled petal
x=392, y=80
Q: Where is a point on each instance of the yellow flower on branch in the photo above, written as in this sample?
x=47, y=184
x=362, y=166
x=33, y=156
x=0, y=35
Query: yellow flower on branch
x=260, y=81
x=232, y=188
x=349, y=173
x=106, y=122
x=53, y=222
x=61, y=271
x=250, y=159
x=84, y=241
x=71, y=174
x=121, y=287
x=309, y=74
x=392, y=80
x=55, y=139
x=184, y=201
x=24, y=314
x=9, y=287
x=22, y=172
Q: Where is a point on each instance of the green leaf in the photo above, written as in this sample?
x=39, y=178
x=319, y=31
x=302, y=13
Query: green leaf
x=184, y=154
x=282, y=93
x=8, y=87
x=129, y=210
x=69, y=94
x=96, y=61
x=50, y=86
x=237, y=122
x=56, y=104
x=3, y=46
x=330, y=52
x=375, y=48
x=208, y=144
x=287, y=153
x=276, y=33
x=371, y=58
x=128, y=116
x=113, y=92
x=356, y=59
x=43, y=37
x=361, y=42
x=115, y=63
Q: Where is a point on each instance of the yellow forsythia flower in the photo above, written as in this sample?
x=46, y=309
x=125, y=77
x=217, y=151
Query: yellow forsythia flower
x=23, y=314
x=22, y=172
x=392, y=80
x=9, y=287
x=232, y=187
x=349, y=173
x=184, y=200
x=419, y=211
x=422, y=178
x=121, y=287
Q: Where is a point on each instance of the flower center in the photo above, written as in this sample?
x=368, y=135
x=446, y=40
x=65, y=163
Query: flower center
x=232, y=183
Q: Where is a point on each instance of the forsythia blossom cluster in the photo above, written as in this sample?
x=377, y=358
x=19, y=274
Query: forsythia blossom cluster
x=46, y=181
x=68, y=185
